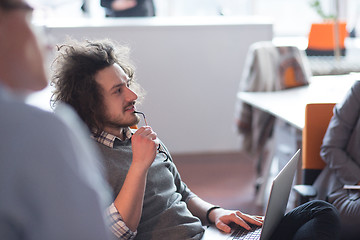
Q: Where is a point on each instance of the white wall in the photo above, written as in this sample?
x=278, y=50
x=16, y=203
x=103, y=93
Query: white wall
x=190, y=68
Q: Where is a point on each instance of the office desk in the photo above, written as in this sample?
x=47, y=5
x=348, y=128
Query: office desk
x=288, y=106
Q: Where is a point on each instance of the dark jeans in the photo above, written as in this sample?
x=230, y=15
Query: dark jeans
x=348, y=204
x=312, y=220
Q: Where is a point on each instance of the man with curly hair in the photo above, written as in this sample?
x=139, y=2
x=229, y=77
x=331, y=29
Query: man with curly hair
x=150, y=199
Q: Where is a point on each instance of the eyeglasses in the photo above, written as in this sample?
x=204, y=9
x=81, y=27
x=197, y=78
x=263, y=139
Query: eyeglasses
x=161, y=149
x=16, y=6
x=143, y=115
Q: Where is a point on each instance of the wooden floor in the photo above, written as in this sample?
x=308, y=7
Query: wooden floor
x=225, y=179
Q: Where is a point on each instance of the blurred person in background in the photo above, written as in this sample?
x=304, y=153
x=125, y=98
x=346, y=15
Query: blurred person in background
x=128, y=8
x=46, y=191
x=340, y=151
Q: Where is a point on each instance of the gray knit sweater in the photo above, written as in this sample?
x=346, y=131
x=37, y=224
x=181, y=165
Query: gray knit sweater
x=165, y=214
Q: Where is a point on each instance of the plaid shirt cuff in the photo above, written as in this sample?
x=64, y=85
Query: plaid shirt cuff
x=117, y=225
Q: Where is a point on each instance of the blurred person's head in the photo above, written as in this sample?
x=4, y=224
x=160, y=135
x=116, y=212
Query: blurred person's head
x=97, y=80
x=21, y=60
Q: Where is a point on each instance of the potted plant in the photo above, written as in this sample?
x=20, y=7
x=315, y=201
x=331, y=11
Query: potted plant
x=326, y=35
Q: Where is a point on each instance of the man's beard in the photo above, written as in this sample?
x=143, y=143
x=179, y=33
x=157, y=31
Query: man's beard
x=113, y=123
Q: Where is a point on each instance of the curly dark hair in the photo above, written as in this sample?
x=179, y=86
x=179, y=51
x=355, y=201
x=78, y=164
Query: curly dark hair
x=74, y=71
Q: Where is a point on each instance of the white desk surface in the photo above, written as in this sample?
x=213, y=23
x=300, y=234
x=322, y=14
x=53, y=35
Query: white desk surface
x=289, y=104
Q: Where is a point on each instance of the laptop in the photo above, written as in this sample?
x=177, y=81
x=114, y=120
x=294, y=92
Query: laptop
x=275, y=210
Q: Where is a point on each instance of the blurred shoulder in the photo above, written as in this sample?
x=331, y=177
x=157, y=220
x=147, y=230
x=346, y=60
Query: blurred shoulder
x=20, y=117
x=356, y=87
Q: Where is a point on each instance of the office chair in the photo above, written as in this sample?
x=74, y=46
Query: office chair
x=317, y=118
x=268, y=67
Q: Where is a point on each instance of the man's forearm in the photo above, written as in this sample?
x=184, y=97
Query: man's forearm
x=199, y=208
x=129, y=201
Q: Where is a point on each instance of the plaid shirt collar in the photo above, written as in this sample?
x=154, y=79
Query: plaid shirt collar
x=108, y=139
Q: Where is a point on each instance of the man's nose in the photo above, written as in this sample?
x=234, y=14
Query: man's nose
x=131, y=95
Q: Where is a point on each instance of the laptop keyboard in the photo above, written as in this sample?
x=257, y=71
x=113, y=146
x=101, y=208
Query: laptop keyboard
x=242, y=233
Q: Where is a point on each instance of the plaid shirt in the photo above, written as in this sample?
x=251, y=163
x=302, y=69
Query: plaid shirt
x=108, y=139
x=117, y=224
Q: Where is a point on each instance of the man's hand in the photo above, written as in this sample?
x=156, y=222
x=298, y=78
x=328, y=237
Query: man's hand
x=129, y=201
x=224, y=217
x=144, y=143
x=120, y=5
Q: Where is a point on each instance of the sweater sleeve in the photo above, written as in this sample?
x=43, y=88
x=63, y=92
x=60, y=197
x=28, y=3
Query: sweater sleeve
x=182, y=188
x=342, y=136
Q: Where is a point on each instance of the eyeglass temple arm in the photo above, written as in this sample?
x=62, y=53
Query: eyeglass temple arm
x=143, y=116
